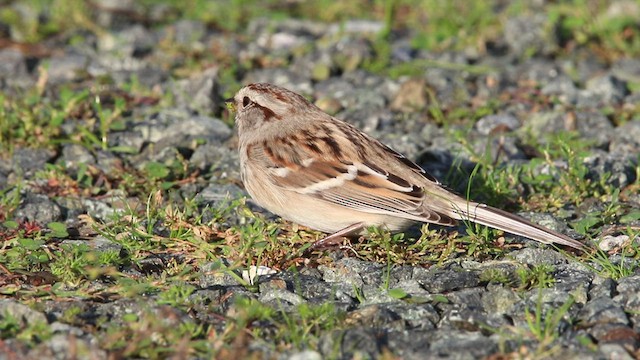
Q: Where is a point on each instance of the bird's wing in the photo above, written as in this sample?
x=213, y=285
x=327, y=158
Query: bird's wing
x=320, y=169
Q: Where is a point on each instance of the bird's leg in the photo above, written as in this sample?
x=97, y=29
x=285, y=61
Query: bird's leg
x=334, y=238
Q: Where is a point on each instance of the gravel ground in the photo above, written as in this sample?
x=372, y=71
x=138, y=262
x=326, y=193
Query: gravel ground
x=455, y=312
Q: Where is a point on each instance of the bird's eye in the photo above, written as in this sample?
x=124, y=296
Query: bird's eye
x=245, y=101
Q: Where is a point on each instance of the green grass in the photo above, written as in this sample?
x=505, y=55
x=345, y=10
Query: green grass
x=12, y=327
x=544, y=326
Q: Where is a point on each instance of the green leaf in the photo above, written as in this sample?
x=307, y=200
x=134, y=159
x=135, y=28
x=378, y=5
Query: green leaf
x=130, y=318
x=397, y=293
x=124, y=149
x=440, y=299
x=30, y=244
x=58, y=229
x=632, y=216
x=166, y=185
x=10, y=224
x=584, y=225
x=157, y=170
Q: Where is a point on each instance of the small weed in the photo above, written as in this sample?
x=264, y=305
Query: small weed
x=539, y=276
x=76, y=263
x=70, y=315
x=151, y=336
x=24, y=247
x=176, y=295
x=615, y=266
x=577, y=25
x=29, y=333
x=496, y=276
x=544, y=326
x=9, y=326
x=28, y=120
x=303, y=328
x=300, y=328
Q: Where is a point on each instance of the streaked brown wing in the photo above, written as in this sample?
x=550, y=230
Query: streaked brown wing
x=359, y=186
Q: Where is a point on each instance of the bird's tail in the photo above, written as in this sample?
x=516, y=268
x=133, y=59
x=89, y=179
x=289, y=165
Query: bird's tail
x=502, y=220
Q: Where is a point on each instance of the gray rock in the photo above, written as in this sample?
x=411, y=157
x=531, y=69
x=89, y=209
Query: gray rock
x=113, y=11
x=553, y=296
x=314, y=290
x=306, y=355
x=99, y=243
x=613, y=243
x=71, y=207
x=499, y=300
x=531, y=256
x=603, y=310
x=351, y=343
x=281, y=41
x=620, y=9
x=627, y=69
x=410, y=345
x=213, y=274
x=6, y=167
x=13, y=67
x=200, y=92
x=617, y=170
x=372, y=295
x=21, y=312
x=220, y=194
x=412, y=287
x=219, y=161
x=587, y=67
x=195, y=128
x=74, y=155
x=38, y=208
x=416, y=316
x=537, y=70
x=575, y=282
x=281, y=77
x=285, y=300
x=590, y=124
x=350, y=53
x=180, y=138
x=67, y=68
x=500, y=147
x=131, y=42
x=263, y=25
x=607, y=89
x=107, y=162
x=526, y=35
x=357, y=26
x=25, y=161
x=625, y=139
x=563, y=88
x=154, y=126
x=500, y=122
x=188, y=32
x=132, y=69
x=131, y=141
x=442, y=280
x=59, y=345
x=628, y=293
x=614, y=351
x=352, y=271
x=98, y=209
x=461, y=345
x=448, y=85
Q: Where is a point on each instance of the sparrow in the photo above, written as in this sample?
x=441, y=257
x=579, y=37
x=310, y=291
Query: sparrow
x=310, y=168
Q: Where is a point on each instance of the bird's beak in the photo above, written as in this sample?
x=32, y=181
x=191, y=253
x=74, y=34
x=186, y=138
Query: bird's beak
x=230, y=103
